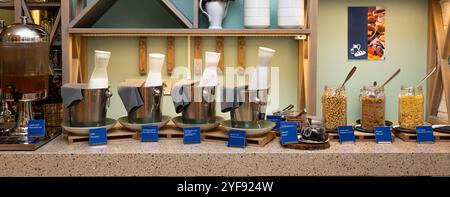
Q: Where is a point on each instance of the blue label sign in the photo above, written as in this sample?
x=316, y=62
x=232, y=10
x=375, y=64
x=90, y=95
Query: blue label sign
x=276, y=120
x=425, y=134
x=192, y=135
x=149, y=133
x=383, y=134
x=288, y=132
x=236, y=138
x=36, y=128
x=346, y=134
x=97, y=136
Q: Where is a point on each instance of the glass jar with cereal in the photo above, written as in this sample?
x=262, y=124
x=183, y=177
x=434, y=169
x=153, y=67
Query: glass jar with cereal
x=334, y=107
x=373, y=107
x=410, y=107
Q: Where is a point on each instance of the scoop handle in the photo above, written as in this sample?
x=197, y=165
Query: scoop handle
x=392, y=77
x=426, y=77
x=349, y=75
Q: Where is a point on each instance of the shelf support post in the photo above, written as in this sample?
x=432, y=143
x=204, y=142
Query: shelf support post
x=17, y=10
x=220, y=49
x=170, y=54
x=311, y=68
x=143, y=55
x=66, y=42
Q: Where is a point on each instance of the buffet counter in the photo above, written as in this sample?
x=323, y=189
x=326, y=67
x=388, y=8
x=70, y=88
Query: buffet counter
x=170, y=157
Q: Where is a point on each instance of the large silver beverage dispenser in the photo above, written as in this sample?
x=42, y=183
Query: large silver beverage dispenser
x=24, y=63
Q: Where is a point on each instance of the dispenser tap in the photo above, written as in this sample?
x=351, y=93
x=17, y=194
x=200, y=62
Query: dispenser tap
x=16, y=94
x=108, y=95
x=2, y=25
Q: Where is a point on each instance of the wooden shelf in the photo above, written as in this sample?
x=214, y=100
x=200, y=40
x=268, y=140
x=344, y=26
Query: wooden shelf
x=186, y=32
x=7, y=5
x=33, y=6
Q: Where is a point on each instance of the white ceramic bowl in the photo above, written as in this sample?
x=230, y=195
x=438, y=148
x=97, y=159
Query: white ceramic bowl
x=257, y=22
x=290, y=22
x=257, y=12
x=291, y=3
x=290, y=12
x=256, y=3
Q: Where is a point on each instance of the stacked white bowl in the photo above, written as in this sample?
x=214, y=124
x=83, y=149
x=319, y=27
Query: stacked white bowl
x=291, y=14
x=257, y=14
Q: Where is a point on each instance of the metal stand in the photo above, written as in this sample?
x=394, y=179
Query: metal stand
x=24, y=114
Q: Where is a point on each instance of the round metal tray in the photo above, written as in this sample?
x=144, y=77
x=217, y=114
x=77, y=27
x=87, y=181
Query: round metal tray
x=204, y=127
x=138, y=126
x=109, y=123
x=266, y=127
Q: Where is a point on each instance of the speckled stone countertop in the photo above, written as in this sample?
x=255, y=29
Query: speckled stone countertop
x=170, y=157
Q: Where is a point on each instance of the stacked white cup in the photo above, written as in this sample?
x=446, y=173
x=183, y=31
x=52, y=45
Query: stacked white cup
x=257, y=14
x=291, y=14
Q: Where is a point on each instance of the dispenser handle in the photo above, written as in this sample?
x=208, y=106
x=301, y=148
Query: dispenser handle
x=15, y=93
x=109, y=94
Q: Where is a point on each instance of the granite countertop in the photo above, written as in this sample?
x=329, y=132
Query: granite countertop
x=170, y=157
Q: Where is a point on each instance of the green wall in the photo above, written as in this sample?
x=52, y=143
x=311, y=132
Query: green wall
x=406, y=44
x=137, y=14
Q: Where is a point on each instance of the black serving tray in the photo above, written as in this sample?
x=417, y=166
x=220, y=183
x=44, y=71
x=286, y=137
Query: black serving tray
x=358, y=126
x=444, y=129
x=332, y=130
x=403, y=130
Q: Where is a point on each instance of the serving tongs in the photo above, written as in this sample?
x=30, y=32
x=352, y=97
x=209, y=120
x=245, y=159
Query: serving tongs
x=284, y=113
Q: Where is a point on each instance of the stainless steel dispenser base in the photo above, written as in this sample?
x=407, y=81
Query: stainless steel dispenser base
x=14, y=135
x=24, y=115
x=25, y=143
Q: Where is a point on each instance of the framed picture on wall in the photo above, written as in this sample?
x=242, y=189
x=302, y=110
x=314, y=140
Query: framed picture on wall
x=366, y=33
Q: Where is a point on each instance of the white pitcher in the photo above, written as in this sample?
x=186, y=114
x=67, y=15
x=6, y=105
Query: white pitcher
x=215, y=10
x=260, y=78
x=209, y=78
x=99, y=77
x=155, y=64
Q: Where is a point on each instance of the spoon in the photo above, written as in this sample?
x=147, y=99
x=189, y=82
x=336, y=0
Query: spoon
x=426, y=77
x=289, y=107
x=390, y=78
x=349, y=75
